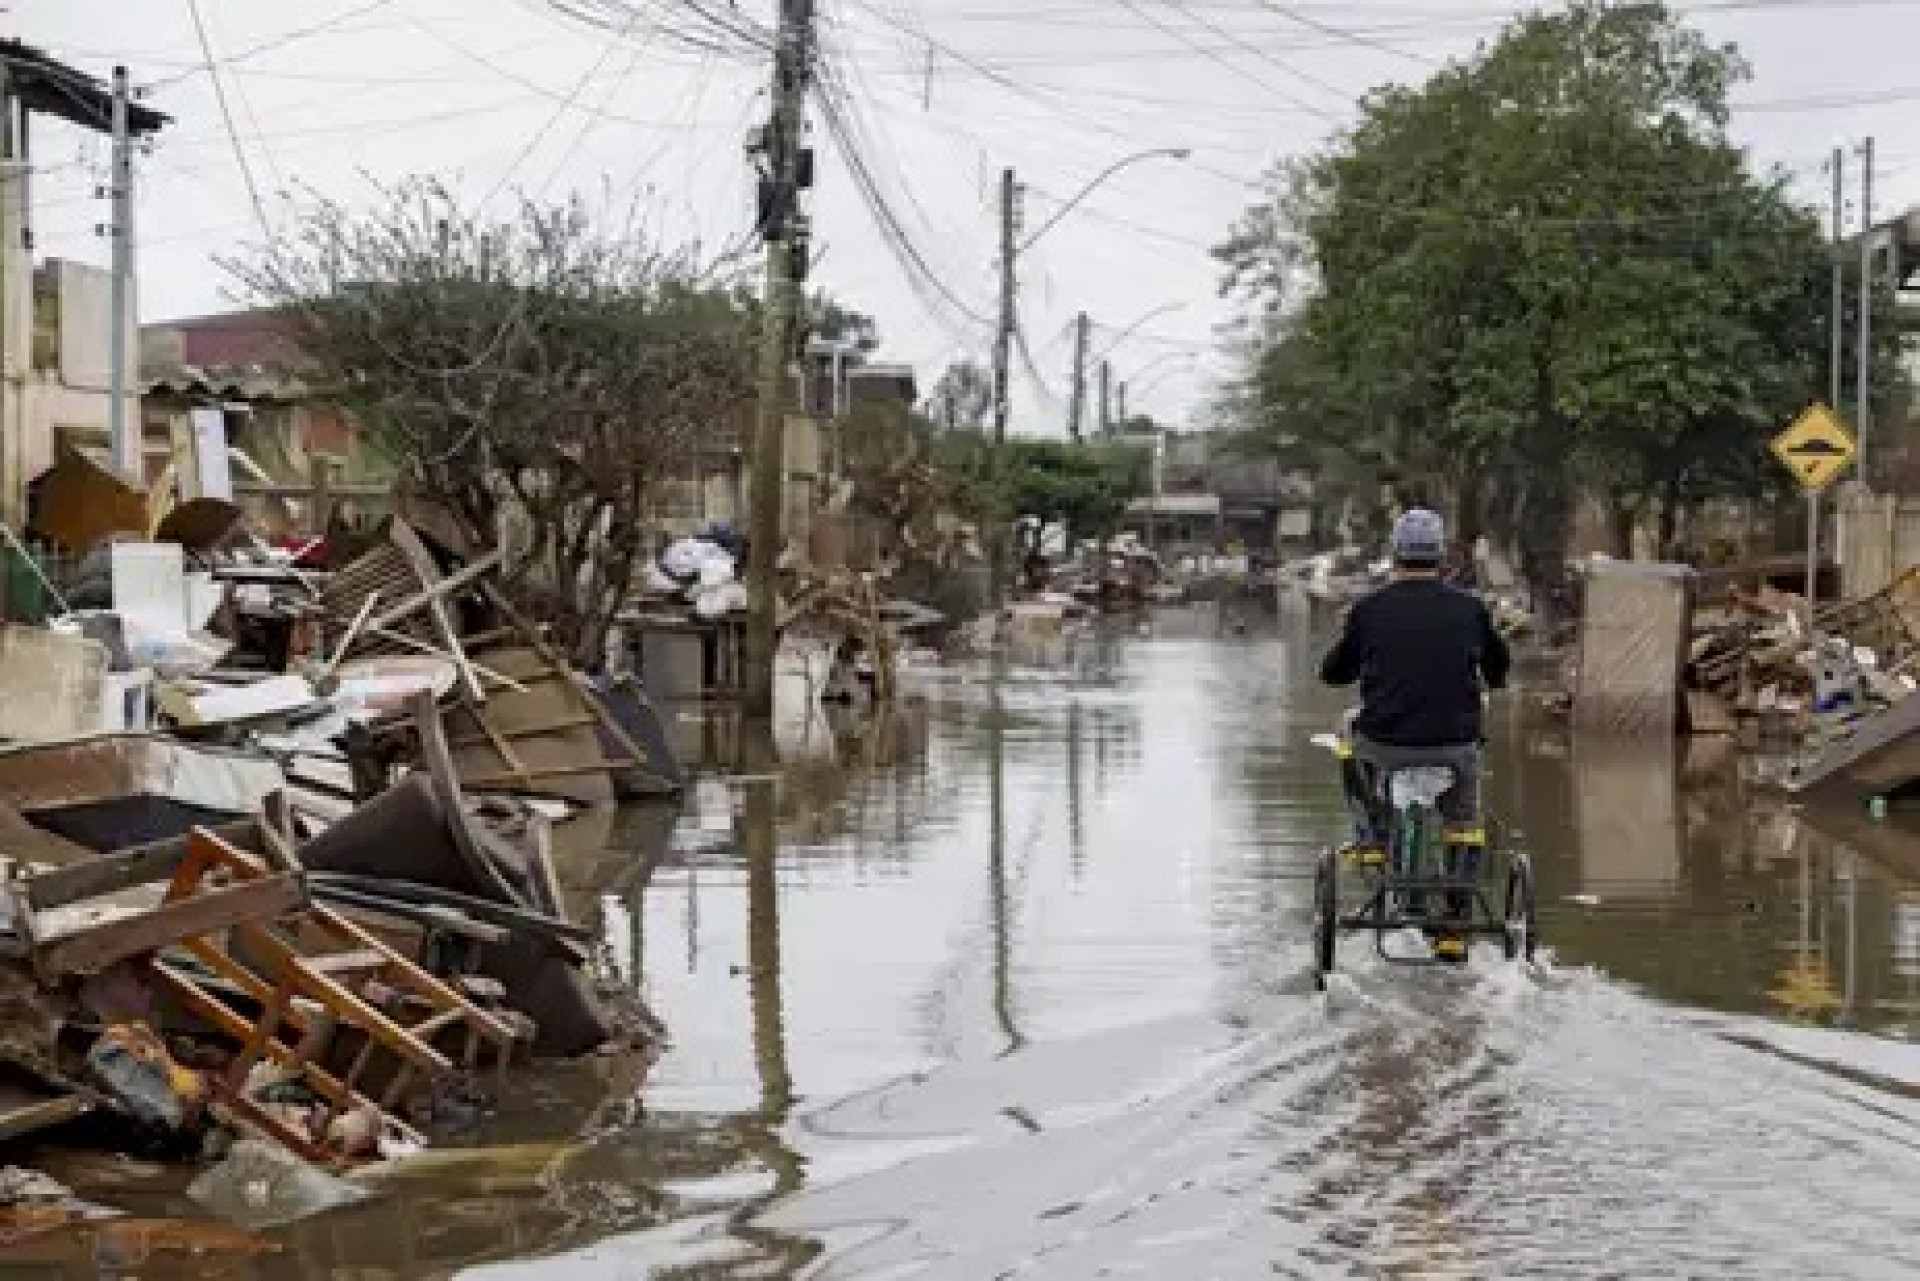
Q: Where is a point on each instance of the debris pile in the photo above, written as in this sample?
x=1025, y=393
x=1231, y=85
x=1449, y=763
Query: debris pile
x=277, y=863
x=1754, y=657
x=687, y=621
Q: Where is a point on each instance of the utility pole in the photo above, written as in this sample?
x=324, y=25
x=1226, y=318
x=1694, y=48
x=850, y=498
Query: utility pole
x=1836, y=360
x=1078, y=410
x=1106, y=399
x=1836, y=363
x=787, y=169
x=1002, y=358
x=121, y=289
x=1003, y=335
x=1120, y=405
x=1863, y=412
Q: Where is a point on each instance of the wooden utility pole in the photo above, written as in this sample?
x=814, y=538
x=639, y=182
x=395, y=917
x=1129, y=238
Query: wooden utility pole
x=1120, y=406
x=1106, y=398
x=1078, y=408
x=785, y=171
x=1003, y=330
x=1002, y=358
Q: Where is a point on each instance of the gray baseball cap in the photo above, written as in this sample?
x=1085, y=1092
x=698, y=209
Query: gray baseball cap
x=1419, y=538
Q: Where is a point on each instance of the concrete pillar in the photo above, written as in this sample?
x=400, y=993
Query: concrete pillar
x=16, y=312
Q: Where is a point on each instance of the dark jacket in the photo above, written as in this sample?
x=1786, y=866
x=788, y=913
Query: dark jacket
x=1420, y=650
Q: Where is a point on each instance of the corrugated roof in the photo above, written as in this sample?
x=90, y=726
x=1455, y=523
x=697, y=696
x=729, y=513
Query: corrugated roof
x=245, y=382
x=53, y=88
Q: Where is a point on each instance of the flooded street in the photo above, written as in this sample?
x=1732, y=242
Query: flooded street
x=1017, y=985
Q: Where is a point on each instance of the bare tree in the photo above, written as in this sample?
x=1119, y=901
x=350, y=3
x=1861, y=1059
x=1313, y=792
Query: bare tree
x=536, y=364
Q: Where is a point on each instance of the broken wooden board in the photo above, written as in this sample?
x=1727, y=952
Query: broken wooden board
x=83, y=917
x=25, y=1109
x=545, y=739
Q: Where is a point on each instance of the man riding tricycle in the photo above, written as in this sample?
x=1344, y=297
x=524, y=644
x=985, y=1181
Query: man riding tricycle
x=1423, y=653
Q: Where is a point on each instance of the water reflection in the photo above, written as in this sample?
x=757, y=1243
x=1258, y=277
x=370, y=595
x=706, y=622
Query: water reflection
x=1003, y=1001
x=1051, y=893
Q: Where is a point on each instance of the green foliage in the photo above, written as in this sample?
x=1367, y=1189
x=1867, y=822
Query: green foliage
x=1086, y=486
x=1546, y=270
x=832, y=321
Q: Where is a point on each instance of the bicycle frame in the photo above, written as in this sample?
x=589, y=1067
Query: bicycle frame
x=1414, y=852
x=1415, y=866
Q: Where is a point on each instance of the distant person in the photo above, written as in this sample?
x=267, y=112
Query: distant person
x=1422, y=651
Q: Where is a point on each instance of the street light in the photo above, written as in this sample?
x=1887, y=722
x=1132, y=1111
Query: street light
x=1181, y=359
x=1169, y=153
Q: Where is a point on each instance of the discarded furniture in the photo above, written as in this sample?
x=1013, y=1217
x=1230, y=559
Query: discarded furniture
x=261, y=986
x=118, y=791
x=84, y=917
x=1632, y=647
x=423, y=834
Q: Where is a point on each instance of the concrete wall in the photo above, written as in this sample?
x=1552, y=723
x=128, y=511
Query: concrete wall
x=1878, y=537
x=67, y=391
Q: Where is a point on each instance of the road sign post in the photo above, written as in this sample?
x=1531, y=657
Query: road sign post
x=1816, y=447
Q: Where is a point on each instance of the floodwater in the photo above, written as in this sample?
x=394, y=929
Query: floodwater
x=1015, y=984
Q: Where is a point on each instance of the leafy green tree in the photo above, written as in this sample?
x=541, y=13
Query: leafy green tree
x=1085, y=486
x=1545, y=272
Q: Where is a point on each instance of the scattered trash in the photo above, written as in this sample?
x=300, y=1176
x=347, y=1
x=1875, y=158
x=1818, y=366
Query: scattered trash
x=259, y=1185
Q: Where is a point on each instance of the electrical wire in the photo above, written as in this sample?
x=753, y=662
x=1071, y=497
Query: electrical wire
x=211, y=65
x=835, y=111
x=226, y=114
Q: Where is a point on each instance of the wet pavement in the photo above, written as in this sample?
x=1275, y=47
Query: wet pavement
x=1015, y=984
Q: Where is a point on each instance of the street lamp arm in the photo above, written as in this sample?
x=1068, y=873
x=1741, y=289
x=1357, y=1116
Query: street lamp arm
x=1171, y=153
x=1165, y=308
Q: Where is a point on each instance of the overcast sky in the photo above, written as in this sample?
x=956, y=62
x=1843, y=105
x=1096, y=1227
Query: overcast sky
x=335, y=95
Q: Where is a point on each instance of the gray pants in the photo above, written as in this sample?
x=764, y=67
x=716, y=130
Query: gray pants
x=1459, y=805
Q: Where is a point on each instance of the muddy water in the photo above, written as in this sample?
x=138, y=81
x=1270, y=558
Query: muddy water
x=1015, y=985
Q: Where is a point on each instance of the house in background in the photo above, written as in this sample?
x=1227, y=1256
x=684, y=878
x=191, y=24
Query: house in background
x=1205, y=498
x=56, y=318
x=246, y=364
x=290, y=445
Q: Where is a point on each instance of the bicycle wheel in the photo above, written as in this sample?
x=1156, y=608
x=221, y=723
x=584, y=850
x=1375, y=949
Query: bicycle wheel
x=1326, y=918
x=1521, y=914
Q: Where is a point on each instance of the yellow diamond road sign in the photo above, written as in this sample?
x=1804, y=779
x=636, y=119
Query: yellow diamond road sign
x=1816, y=447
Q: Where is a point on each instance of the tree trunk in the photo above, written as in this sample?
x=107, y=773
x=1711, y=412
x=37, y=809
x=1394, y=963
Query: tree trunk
x=1623, y=518
x=1546, y=521
x=1669, y=527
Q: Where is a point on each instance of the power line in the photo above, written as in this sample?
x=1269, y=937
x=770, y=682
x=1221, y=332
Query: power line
x=226, y=114
x=209, y=63
x=554, y=118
